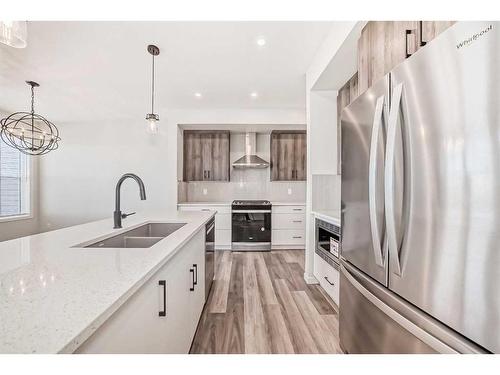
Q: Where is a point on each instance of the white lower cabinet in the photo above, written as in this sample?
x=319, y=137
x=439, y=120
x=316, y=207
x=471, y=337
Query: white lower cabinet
x=283, y=237
x=328, y=277
x=222, y=239
x=138, y=327
x=288, y=227
x=222, y=222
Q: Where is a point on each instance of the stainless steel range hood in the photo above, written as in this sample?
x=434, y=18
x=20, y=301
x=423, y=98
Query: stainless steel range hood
x=250, y=160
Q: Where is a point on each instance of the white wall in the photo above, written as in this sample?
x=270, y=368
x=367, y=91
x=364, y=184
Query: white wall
x=321, y=114
x=27, y=226
x=77, y=181
x=323, y=128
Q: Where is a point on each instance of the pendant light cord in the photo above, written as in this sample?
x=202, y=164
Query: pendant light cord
x=153, y=86
x=32, y=100
x=32, y=112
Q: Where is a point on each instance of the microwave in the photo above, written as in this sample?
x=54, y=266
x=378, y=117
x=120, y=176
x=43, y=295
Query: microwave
x=328, y=239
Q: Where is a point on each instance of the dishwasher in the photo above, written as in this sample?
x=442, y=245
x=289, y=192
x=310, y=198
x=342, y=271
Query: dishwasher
x=209, y=255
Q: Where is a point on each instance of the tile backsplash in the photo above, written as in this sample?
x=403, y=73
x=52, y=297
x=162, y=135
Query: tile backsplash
x=243, y=189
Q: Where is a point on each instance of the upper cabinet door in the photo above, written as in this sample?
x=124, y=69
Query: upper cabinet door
x=383, y=45
x=206, y=155
x=288, y=156
x=431, y=29
x=207, y=148
x=193, y=165
x=300, y=149
x=220, y=157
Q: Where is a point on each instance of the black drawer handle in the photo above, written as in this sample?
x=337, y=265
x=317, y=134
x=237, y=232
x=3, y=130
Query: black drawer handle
x=196, y=274
x=297, y=209
x=192, y=272
x=297, y=236
x=297, y=221
x=164, y=311
x=329, y=282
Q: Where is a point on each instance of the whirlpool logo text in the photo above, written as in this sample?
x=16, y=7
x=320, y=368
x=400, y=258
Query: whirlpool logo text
x=474, y=37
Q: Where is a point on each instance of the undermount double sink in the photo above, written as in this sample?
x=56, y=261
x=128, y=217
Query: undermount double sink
x=143, y=236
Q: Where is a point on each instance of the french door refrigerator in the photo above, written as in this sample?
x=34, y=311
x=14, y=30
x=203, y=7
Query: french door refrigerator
x=420, y=259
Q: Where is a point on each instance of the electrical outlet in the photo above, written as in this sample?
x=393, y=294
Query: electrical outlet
x=289, y=191
x=205, y=191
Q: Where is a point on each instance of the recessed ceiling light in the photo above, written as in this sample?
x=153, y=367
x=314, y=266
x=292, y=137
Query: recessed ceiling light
x=261, y=42
x=197, y=94
x=254, y=94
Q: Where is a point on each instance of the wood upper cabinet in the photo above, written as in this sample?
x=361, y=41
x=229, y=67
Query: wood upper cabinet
x=381, y=46
x=431, y=29
x=206, y=155
x=288, y=156
x=384, y=44
x=347, y=94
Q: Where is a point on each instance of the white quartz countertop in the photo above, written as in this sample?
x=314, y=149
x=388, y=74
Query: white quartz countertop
x=275, y=203
x=330, y=216
x=204, y=204
x=54, y=296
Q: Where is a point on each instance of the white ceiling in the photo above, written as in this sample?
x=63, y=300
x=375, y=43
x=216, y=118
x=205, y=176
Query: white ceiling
x=102, y=70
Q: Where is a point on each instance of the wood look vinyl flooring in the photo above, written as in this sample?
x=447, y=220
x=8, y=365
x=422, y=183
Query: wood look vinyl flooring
x=260, y=304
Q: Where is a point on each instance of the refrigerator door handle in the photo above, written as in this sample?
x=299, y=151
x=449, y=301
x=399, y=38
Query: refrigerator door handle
x=389, y=181
x=411, y=327
x=372, y=182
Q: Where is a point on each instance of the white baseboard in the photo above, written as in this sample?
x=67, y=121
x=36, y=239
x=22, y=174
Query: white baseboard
x=287, y=247
x=223, y=247
x=310, y=279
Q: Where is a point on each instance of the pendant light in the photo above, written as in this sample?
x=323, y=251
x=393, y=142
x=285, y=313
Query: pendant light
x=29, y=132
x=152, y=117
x=13, y=33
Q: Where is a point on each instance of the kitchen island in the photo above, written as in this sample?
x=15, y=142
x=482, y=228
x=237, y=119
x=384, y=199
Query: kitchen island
x=54, y=296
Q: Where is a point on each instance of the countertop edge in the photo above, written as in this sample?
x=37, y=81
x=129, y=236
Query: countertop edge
x=93, y=326
x=323, y=216
x=277, y=203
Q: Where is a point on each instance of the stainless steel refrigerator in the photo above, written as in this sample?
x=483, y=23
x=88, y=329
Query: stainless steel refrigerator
x=420, y=256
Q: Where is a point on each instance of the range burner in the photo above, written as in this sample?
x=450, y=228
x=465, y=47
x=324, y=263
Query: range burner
x=253, y=202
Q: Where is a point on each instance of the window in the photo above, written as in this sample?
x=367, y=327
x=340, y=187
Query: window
x=14, y=182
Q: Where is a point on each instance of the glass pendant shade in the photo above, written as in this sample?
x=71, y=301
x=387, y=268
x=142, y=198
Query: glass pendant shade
x=14, y=33
x=152, y=123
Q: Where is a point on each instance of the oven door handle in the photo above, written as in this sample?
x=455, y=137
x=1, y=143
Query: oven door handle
x=251, y=211
x=211, y=228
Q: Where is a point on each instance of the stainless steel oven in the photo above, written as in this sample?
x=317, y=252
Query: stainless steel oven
x=328, y=240
x=251, y=225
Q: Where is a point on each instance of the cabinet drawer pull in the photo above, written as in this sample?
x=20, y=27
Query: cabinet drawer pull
x=195, y=282
x=297, y=236
x=205, y=209
x=191, y=270
x=328, y=281
x=164, y=311
x=297, y=221
x=297, y=209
